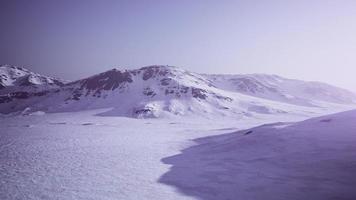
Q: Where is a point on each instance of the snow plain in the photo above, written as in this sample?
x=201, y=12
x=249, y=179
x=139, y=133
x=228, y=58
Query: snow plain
x=81, y=155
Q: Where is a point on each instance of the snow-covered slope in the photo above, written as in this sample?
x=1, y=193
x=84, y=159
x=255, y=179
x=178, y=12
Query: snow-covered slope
x=312, y=159
x=152, y=91
x=16, y=79
x=160, y=91
x=277, y=88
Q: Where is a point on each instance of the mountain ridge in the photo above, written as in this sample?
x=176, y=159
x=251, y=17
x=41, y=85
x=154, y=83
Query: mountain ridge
x=154, y=91
x=17, y=78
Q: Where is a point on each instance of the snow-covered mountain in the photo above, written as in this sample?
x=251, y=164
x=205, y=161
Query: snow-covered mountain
x=18, y=79
x=277, y=88
x=157, y=91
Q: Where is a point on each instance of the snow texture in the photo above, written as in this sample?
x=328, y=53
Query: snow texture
x=313, y=159
x=80, y=155
x=132, y=135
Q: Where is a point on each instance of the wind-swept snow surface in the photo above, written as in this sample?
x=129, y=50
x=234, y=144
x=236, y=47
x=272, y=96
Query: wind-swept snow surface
x=80, y=155
x=313, y=159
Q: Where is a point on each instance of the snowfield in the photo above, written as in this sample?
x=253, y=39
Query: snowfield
x=313, y=159
x=80, y=155
x=132, y=135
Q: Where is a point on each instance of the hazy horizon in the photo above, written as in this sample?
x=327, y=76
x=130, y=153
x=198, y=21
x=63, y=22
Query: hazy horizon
x=307, y=40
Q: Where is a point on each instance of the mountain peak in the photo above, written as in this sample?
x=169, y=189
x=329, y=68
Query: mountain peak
x=12, y=69
x=159, y=67
x=14, y=78
x=167, y=89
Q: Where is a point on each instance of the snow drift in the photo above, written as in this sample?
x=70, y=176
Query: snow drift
x=312, y=159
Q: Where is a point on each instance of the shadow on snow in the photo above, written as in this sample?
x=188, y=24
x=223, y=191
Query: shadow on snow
x=263, y=163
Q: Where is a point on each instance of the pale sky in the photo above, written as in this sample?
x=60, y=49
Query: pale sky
x=303, y=39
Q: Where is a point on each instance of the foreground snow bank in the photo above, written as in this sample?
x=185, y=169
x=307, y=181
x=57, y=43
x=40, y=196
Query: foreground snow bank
x=313, y=159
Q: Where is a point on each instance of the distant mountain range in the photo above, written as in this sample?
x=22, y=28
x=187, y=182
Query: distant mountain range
x=159, y=91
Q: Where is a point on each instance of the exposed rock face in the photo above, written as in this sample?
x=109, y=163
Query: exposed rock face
x=149, y=90
x=154, y=71
x=109, y=80
x=166, y=81
x=21, y=95
x=155, y=81
x=199, y=93
x=5, y=99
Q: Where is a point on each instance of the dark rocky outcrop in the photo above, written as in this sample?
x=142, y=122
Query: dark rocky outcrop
x=149, y=92
x=154, y=71
x=109, y=80
x=199, y=93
